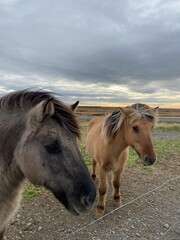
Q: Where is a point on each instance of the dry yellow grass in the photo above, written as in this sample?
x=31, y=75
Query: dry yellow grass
x=99, y=111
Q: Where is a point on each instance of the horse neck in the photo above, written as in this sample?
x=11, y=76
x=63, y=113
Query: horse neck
x=118, y=142
x=11, y=130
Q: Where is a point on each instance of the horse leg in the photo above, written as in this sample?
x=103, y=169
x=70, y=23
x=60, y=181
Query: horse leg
x=116, y=186
x=117, y=177
x=102, y=192
x=94, y=169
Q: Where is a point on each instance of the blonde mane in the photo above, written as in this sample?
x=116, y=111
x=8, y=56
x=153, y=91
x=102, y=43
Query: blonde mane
x=143, y=111
x=113, y=121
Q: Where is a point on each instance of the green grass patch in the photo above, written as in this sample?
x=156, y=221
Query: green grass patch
x=31, y=191
x=133, y=157
x=165, y=147
x=168, y=127
x=85, y=155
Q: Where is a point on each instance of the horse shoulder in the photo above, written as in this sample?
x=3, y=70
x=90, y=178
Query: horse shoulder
x=94, y=139
x=94, y=132
x=93, y=122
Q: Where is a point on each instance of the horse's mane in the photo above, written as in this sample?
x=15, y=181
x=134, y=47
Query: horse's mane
x=144, y=111
x=113, y=121
x=23, y=101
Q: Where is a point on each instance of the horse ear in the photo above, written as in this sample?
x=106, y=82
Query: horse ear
x=42, y=111
x=125, y=110
x=74, y=106
x=47, y=109
x=156, y=109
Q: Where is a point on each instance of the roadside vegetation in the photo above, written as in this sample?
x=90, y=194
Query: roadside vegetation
x=167, y=127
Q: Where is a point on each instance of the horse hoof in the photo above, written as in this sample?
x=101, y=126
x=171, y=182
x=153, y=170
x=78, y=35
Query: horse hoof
x=100, y=211
x=99, y=214
x=118, y=201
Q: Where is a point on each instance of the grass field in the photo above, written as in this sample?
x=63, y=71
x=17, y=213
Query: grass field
x=163, y=148
x=168, y=127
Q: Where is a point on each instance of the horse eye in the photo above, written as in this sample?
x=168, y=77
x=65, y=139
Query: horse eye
x=136, y=129
x=53, y=148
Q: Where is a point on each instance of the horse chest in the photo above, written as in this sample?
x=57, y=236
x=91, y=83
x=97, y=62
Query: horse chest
x=110, y=163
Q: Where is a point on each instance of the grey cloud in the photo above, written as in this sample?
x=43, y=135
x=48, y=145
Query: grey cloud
x=131, y=43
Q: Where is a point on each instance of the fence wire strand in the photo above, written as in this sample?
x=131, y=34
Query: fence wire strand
x=168, y=230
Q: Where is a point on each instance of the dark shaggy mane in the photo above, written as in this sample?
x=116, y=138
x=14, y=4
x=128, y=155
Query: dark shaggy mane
x=23, y=101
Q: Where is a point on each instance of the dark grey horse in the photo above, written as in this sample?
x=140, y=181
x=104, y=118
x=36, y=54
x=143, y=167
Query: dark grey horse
x=38, y=141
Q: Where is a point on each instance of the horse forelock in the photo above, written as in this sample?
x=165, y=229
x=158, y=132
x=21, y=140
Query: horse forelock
x=113, y=122
x=23, y=101
x=140, y=110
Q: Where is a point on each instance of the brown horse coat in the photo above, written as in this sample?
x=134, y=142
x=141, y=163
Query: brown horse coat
x=108, y=139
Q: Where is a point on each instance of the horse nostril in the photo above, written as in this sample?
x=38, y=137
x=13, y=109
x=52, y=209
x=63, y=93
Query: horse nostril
x=149, y=161
x=86, y=202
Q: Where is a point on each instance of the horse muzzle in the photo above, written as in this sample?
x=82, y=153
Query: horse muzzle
x=74, y=203
x=148, y=161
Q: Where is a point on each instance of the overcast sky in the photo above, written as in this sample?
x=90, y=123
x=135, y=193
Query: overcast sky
x=95, y=51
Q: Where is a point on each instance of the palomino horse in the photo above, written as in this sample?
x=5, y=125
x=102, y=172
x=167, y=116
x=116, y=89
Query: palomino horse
x=38, y=141
x=108, y=139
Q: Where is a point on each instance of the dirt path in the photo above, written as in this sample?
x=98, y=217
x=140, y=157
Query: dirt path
x=151, y=216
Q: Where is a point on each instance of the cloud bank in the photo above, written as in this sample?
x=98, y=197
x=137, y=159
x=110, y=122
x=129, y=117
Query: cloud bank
x=96, y=51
